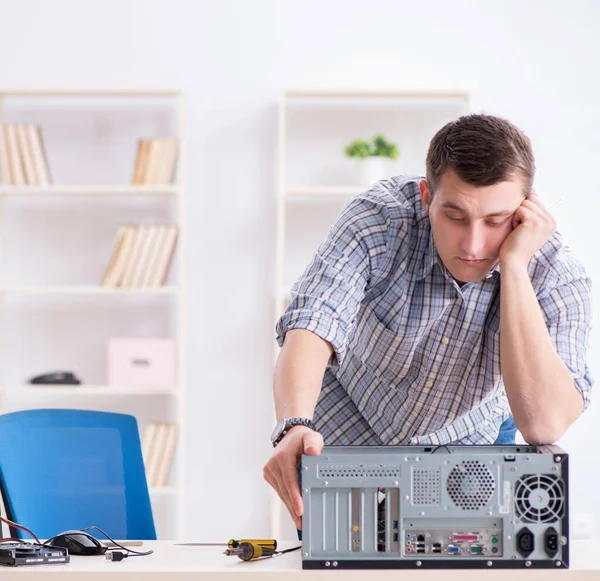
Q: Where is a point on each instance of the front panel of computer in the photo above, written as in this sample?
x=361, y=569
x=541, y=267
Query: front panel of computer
x=428, y=507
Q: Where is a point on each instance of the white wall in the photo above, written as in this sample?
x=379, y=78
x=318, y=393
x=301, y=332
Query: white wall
x=534, y=62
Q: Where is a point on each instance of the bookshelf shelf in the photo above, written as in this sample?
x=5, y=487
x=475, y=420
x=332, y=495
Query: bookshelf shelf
x=91, y=93
x=422, y=96
x=89, y=390
x=159, y=181
x=87, y=190
x=88, y=290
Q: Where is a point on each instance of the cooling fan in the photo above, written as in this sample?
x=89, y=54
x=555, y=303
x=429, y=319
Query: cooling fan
x=470, y=485
x=539, y=498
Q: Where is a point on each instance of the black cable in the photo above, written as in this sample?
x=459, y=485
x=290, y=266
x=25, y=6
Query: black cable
x=441, y=446
x=288, y=550
x=114, y=555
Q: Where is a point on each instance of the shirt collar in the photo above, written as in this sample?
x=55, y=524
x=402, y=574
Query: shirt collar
x=430, y=257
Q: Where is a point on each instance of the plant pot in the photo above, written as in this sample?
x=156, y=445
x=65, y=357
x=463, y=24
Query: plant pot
x=371, y=169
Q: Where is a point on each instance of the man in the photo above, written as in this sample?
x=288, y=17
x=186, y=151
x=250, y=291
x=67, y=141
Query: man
x=393, y=333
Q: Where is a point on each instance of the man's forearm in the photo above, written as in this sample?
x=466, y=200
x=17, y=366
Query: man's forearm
x=299, y=373
x=540, y=390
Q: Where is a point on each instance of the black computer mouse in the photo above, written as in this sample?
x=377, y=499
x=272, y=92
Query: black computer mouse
x=78, y=543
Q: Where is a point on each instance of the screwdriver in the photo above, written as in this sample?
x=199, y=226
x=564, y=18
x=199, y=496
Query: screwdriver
x=267, y=543
x=248, y=551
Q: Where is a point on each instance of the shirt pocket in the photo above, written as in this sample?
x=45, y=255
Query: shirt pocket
x=387, y=354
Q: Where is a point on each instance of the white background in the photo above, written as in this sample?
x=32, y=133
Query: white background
x=534, y=62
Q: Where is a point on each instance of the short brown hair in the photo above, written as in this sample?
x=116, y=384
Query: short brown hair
x=483, y=150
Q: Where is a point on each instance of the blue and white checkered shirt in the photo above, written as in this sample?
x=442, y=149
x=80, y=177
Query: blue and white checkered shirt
x=417, y=357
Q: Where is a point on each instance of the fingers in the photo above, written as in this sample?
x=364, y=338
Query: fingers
x=281, y=469
x=523, y=214
x=289, y=476
x=313, y=443
x=534, y=202
x=535, y=206
x=534, y=209
x=274, y=476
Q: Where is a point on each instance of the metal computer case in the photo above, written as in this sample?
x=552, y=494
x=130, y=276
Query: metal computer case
x=435, y=507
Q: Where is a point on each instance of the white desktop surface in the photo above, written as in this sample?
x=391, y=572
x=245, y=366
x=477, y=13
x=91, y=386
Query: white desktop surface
x=202, y=563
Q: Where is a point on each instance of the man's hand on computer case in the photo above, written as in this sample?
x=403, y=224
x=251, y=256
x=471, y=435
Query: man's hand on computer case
x=281, y=469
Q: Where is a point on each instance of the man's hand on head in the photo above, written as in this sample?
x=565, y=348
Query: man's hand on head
x=532, y=227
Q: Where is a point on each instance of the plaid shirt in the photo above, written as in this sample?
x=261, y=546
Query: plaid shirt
x=416, y=358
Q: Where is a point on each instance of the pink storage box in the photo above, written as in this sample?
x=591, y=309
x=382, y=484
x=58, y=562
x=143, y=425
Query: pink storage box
x=141, y=362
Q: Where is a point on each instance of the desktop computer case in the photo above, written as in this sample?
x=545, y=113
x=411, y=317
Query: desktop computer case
x=435, y=507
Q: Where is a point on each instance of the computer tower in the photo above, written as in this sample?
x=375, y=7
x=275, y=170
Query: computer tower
x=435, y=507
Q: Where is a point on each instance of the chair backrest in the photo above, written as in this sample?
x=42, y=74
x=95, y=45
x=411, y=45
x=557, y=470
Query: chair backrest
x=67, y=469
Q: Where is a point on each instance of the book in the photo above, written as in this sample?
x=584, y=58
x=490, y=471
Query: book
x=159, y=443
x=5, y=169
x=155, y=161
x=141, y=255
x=23, y=160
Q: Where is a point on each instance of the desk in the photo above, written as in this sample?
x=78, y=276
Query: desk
x=208, y=563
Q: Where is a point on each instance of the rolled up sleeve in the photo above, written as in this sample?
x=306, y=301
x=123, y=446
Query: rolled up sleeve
x=568, y=310
x=327, y=296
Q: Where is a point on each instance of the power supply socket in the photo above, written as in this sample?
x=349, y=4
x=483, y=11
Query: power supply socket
x=525, y=542
x=582, y=525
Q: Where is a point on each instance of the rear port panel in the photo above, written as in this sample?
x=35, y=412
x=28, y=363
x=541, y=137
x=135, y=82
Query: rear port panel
x=481, y=542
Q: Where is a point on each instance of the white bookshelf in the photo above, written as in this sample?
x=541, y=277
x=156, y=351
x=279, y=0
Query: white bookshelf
x=409, y=117
x=167, y=501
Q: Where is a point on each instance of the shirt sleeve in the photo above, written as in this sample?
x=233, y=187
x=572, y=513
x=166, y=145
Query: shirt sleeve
x=327, y=296
x=568, y=311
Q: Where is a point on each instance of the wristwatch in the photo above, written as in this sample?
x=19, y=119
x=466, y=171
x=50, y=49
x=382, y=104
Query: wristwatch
x=283, y=426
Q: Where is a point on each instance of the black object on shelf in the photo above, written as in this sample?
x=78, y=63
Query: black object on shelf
x=56, y=378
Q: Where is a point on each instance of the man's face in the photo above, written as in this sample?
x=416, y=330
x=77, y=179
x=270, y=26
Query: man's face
x=470, y=223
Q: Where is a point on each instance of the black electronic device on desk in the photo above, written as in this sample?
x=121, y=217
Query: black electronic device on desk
x=14, y=554
x=57, y=548
x=56, y=378
x=77, y=543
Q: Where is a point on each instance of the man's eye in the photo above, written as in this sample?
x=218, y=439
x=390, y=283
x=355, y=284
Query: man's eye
x=496, y=224
x=455, y=218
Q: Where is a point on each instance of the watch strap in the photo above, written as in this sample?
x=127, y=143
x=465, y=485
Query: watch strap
x=289, y=423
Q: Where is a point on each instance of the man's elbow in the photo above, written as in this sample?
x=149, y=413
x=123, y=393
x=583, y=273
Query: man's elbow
x=538, y=433
x=549, y=426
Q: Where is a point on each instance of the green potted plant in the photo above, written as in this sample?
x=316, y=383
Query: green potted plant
x=371, y=156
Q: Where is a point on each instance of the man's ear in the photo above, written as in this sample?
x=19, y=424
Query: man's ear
x=425, y=194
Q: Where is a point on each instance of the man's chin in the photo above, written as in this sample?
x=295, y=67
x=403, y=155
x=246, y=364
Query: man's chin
x=466, y=274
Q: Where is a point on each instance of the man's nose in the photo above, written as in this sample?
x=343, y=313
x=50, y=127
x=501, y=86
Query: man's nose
x=473, y=242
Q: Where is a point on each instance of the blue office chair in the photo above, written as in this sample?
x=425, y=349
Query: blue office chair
x=68, y=469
